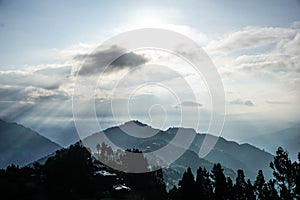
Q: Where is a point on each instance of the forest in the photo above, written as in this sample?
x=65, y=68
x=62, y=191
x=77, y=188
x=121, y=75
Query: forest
x=76, y=173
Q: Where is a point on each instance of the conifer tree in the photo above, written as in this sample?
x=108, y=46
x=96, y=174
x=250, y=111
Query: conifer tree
x=219, y=182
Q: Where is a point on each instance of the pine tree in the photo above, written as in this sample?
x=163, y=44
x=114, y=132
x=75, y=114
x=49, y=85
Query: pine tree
x=249, y=190
x=297, y=177
x=203, y=184
x=240, y=186
x=230, y=188
x=175, y=194
x=188, y=185
x=219, y=182
x=284, y=173
x=260, y=186
x=271, y=192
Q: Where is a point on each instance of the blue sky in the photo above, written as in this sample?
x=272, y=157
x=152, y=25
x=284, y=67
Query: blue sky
x=254, y=45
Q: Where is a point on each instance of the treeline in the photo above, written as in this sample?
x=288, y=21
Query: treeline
x=74, y=173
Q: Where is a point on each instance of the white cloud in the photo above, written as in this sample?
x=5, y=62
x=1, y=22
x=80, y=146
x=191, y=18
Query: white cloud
x=41, y=77
x=250, y=38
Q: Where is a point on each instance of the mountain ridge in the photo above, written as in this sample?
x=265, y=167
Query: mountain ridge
x=229, y=153
x=21, y=145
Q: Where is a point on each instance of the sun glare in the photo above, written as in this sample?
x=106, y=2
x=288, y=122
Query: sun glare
x=149, y=18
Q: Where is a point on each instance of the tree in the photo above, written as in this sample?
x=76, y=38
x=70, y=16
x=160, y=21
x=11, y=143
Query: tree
x=149, y=183
x=284, y=173
x=98, y=150
x=69, y=172
x=260, y=186
x=249, y=190
x=297, y=179
x=203, y=184
x=188, y=185
x=175, y=194
x=103, y=152
x=230, y=188
x=240, y=186
x=271, y=192
x=219, y=182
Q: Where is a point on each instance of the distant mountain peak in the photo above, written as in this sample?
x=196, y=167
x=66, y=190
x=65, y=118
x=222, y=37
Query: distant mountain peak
x=135, y=122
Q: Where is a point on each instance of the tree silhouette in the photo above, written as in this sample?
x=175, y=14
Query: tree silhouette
x=71, y=174
x=240, y=186
x=260, y=186
x=250, y=191
x=284, y=173
x=271, y=191
x=297, y=179
x=103, y=152
x=98, y=147
x=68, y=173
x=230, y=188
x=203, y=184
x=149, y=184
x=219, y=182
x=188, y=185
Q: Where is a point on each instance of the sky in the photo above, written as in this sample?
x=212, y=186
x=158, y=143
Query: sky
x=254, y=45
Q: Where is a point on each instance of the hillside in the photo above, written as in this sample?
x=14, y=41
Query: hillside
x=230, y=154
x=288, y=138
x=20, y=145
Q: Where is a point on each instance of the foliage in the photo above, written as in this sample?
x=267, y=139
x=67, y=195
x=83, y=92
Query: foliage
x=70, y=174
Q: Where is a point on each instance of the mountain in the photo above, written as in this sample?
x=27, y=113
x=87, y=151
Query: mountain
x=20, y=145
x=288, y=138
x=63, y=134
x=230, y=154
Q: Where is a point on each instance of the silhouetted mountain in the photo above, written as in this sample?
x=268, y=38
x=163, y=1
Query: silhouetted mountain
x=20, y=145
x=288, y=138
x=230, y=154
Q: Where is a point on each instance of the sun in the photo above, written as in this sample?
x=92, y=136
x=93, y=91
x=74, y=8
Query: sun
x=150, y=19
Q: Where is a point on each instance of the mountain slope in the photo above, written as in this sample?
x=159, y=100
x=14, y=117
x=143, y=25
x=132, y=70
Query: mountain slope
x=288, y=138
x=20, y=145
x=230, y=154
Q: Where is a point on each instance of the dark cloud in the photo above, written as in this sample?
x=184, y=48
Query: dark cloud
x=97, y=61
x=242, y=102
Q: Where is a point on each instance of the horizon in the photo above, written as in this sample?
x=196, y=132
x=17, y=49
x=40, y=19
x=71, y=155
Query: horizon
x=293, y=157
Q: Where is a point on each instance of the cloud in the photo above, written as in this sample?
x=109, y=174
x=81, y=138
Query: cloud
x=296, y=24
x=97, y=61
x=12, y=94
x=249, y=38
x=29, y=95
x=267, y=63
x=40, y=77
x=292, y=46
x=264, y=54
x=242, y=102
x=275, y=102
x=188, y=104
